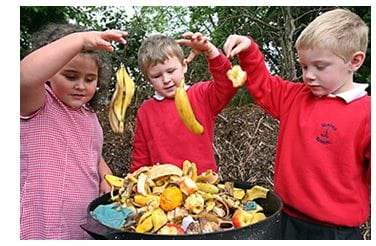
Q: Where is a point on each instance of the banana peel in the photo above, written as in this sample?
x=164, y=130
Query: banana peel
x=190, y=170
x=208, y=188
x=207, y=196
x=142, y=187
x=159, y=219
x=238, y=193
x=161, y=170
x=255, y=192
x=145, y=224
x=209, y=177
x=185, y=110
x=114, y=181
x=121, y=99
x=209, y=205
x=258, y=217
x=151, y=221
x=142, y=200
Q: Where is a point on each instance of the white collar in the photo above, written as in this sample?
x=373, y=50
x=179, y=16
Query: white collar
x=158, y=96
x=358, y=91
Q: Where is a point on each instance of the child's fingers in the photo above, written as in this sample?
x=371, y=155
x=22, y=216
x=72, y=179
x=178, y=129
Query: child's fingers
x=203, y=40
x=184, y=42
x=228, y=46
x=197, y=36
x=115, y=35
x=105, y=45
x=191, y=56
x=235, y=51
x=103, y=39
x=234, y=45
x=187, y=35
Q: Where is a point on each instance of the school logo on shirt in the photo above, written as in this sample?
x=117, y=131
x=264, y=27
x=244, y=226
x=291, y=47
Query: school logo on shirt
x=327, y=130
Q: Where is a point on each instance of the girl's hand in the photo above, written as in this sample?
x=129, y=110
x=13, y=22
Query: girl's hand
x=104, y=187
x=199, y=44
x=101, y=40
x=236, y=44
x=103, y=169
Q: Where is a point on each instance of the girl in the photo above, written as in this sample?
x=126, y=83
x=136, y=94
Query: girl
x=62, y=167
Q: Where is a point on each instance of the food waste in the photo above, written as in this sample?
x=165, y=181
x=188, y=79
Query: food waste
x=185, y=110
x=121, y=99
x=165, y=199
x=237, y=76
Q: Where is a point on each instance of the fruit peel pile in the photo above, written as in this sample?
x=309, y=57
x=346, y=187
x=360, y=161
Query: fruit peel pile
x=165, y=199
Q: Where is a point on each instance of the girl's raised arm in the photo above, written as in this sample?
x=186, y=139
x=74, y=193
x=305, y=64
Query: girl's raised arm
x=42, y=64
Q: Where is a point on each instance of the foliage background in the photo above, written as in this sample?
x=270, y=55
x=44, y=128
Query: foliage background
x=245, y=135
x=275, y=29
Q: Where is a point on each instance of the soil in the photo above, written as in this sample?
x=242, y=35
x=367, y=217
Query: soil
x=244, y=144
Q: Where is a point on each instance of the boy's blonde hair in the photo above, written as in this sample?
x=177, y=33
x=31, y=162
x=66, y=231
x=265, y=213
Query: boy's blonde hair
x=340, y=30
x=156, y=49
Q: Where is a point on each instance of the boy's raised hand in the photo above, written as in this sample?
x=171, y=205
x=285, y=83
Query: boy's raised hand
x=199, y=44
x=236, y=44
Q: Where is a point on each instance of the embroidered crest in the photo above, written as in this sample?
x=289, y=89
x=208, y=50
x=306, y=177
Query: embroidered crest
x=324, y=137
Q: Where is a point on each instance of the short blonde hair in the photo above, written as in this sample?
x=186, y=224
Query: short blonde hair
x=340, y=30
x=157, y=49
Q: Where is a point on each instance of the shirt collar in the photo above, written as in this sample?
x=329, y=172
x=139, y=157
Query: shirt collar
x=158, y=96
x=358, y=91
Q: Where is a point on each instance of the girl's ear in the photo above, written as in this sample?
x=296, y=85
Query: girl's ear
x=357, y=60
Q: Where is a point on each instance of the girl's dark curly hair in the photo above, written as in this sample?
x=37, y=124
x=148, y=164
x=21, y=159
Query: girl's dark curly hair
x=52, y=32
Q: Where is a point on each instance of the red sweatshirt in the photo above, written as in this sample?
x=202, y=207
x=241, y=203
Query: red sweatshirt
x=322, y=167
x=162, y=137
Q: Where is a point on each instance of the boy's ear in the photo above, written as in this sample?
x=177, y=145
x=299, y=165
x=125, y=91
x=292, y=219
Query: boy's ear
x=357, y=60
x=185, y=65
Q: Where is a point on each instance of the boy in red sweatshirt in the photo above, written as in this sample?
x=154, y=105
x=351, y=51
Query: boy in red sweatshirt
x=322, y=168
x=160, y=134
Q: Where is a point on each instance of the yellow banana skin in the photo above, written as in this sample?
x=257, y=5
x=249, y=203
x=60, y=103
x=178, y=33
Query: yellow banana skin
x=121, y=99
x=185, y=110
x=114, y=181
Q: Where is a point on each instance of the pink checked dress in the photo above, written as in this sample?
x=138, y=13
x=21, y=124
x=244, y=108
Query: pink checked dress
x=60, y=151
